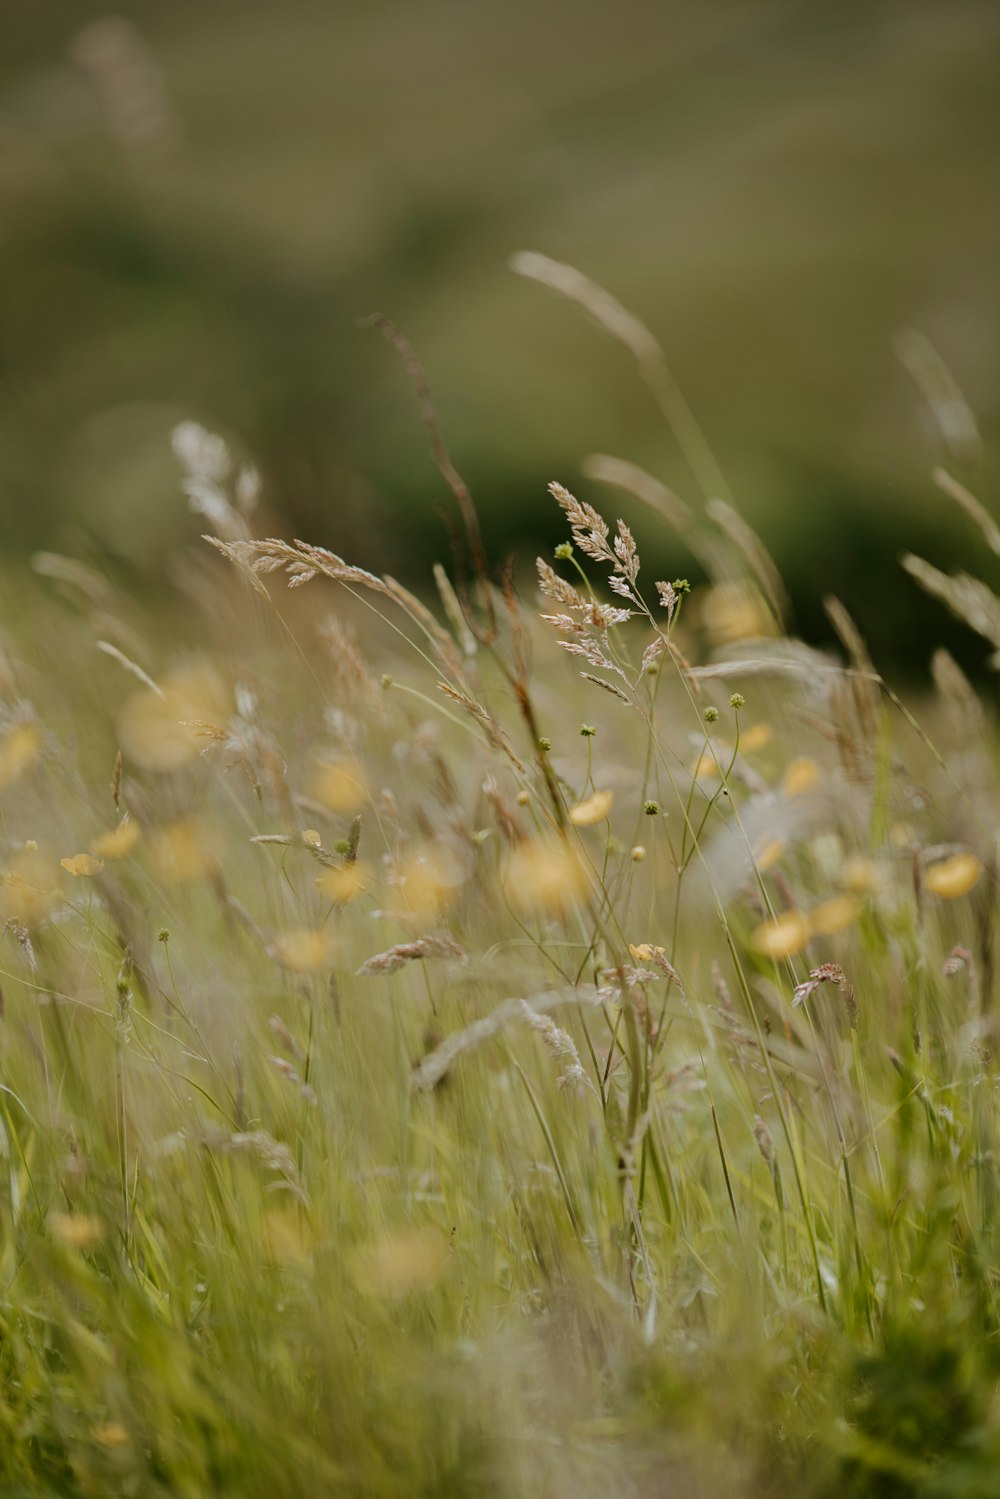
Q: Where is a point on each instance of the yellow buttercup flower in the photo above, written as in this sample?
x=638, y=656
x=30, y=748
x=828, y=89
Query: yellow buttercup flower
x=111, y=1434
x=19, y=749
x=769, y=854
x=401, y=1263
x=82, y=864
x=303, y=950
x=593, y=809
x=164, y=729
x=706, y=767
x=119, y=843
x=802, y=775
x=835, y=915
x=182, y=852
x=645, y=952
x=954, y=876
x=859, y=875
x=545, y=876
x=77, y=1230
x=340, y=786
x=756, y=737
x=429, y=881
x=735, y=611
x=29, y=887
x=343, y=884
x=781, y=937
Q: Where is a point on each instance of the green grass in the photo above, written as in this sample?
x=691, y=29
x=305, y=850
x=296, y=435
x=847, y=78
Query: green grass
x=580, y=1185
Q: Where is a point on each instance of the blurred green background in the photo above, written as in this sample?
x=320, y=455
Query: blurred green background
x=200, y=201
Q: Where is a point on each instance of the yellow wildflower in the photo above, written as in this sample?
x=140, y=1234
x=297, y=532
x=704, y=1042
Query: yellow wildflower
x=162, y=730
x=19, y=748
x=343, y=884
x=781, y=937
x=756, y=737
x=769, y=854
x=545, y=875
x=402, y=1263
x=119, y=843
x=593, y=809
x=76, y=1230
x=835, y=915
x=111, y=1434
x=954, y=876
x=302, y=950
x=182, y=852
x=82, y=864
x=800, y=776
x=340, y=786
x=859, y=875
x=29, y=887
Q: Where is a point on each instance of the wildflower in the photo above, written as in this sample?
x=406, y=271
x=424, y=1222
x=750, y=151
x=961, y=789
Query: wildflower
x=402, y=1263
x=587, y=731
x=781, y=937
x=544, y=745
x=737, y=701
x=645, y=952
x=651, y=808
x=111, y=1434
x=800, y=776
x=735, y=611
x=545, y=875
x=19, y=749
x=593, y=809
x=706, y=767
x=523, y=798
x=953, y=877
x=711, y=715
x=343, y=884
x=82, y=864
x=756, y=737
x=182, y=852
x=162, y=728
x=564, y=550
x=835, y=915
x=119, y=842
x=76, y=1230
x=769, y=854
x=302, y=950
x=637, y=854
x=29, y=887
x=340, y=786
x=429, y=881
x=859, y=875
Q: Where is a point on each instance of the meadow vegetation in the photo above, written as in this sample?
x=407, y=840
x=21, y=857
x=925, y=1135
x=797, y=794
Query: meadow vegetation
x=533, y=1038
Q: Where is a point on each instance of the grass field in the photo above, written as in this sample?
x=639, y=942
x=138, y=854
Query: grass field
x=435, y=1062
